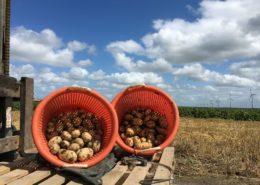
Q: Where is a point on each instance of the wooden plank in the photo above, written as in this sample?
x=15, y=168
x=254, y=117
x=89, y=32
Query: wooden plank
x=138, y=173
x=26, y=107
x=54, y=180
x=9, y=143
x=12, y=176
x=114, y=175
x=32, y=178
x=4, y=169
x=74, y=183
x=9, y=87
x=166, y=159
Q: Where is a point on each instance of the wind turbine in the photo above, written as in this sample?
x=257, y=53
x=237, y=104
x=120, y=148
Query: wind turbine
x=218, y=102
x=252, y=98
x=230, y=100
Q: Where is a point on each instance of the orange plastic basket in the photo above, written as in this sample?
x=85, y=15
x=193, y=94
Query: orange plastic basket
x=69, y=98
x=147, y=97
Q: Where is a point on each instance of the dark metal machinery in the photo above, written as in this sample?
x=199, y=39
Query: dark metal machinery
x=12, y=89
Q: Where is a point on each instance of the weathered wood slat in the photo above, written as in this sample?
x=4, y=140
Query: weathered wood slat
x=26, y=107
x=4, y=169
x=9, y=143
x=166, y=159
x=32, y=178
x=12, y=176
x=114, y=175
x=138, y=173
x=54, y=180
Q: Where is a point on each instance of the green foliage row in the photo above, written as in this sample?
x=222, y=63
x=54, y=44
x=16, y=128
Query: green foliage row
x=203, y=112
x=224, y=113
x=16, y=105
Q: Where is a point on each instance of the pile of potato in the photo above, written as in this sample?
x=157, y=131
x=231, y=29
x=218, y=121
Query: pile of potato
x=74, y=135
x=143, y=128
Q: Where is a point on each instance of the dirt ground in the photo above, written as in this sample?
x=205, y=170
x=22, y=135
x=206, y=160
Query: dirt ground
x=214, y=151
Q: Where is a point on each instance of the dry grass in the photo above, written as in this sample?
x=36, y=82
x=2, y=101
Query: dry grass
x=216, y=146
x=16, y=119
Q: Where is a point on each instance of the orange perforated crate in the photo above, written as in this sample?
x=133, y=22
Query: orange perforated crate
x=68, y=98
x=147, y=97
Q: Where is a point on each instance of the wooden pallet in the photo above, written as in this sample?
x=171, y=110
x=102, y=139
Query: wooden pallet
x=28, y=174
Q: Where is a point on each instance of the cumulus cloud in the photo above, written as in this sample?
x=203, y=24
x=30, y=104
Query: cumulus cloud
x=79, y=46
x=199, y=73
x=44, y=47
x=84, y=63
x=219, y=34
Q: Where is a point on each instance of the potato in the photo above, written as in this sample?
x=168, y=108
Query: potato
x=65, y=135
x=87, y=123
x=143, y=139
x=98, y=137
x=129, y=141
x=144, y=145
x=74, y=146
x=65, y=144
x=86, y=136
x=54, y=148
x=96, y=146
x=51, y=135
x=50, y=129
x=137, y=130
x=130, y=132
x=150, y=124
x=161, y=131
x=75, y=133
x=50, y=124
x=79, y=141
x=76, y=121
x=68, y=156
x=128, y=117
x=150, y=136
x=136, y=140
x=139, y=115
x=154, y=116
x=163, y=122
x=159, y=140
x=147, y=118
x=147, y=112
x=125, y=123
x=54, y=140
x=137, y=121
x=84, y=154
x=90, y=144
x=123, y=136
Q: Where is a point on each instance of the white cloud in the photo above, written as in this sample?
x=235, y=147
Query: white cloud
x=129, y=46
x=198, y=72
x=78, y=73
x=79, y=46
x=84, y=63
x=219, y=34
x=98, y=75
x=248, y=69
x=43, y=47
x=135, y=78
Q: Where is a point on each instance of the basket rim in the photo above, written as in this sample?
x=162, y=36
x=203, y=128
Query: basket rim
x=170, y=137
x=56, y=161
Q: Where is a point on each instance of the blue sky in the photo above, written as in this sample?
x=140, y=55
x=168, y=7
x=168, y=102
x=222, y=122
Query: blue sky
x=197, y=51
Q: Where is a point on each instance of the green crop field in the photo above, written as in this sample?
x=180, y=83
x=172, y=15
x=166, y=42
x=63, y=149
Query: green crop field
x=224, y=113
